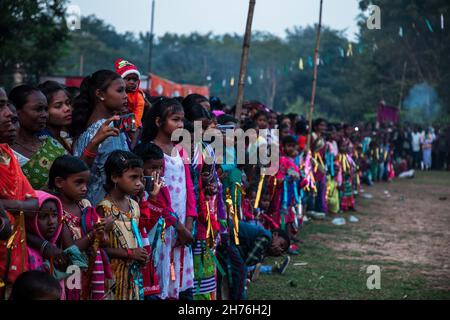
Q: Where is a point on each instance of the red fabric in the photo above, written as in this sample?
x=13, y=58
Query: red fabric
x=123, y=66
x=14, y=186
x=136, y=105
x=149, y=277
x=302, y=142
x=163, y=87
x=388, y=114
x=191, y=206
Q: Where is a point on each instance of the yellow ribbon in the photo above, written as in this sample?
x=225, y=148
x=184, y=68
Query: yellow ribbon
x=233, y=214
x=258, y=193
x=209, y=228
x=318, y=160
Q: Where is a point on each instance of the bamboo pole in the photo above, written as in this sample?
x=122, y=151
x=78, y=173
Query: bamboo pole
x=244, y=59
x=150, y=51
x=314, y=82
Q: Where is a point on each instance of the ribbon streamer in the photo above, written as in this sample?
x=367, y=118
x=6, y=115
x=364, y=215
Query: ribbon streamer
x=350, y=50
x=429, y=25
x=234, y=218
x=258, y=193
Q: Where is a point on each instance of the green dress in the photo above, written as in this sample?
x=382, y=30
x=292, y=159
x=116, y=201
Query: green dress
x=37, y=168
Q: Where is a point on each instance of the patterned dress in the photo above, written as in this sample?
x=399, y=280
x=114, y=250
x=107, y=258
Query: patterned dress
x=176, y=270
x=98, y=279
x=36, y=169
x=125, y=235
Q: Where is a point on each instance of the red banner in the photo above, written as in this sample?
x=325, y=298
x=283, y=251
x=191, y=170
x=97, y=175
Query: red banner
x=163, y=87
x=388, y=114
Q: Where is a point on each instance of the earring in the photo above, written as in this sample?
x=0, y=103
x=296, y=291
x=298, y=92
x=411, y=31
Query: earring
x=103, y=99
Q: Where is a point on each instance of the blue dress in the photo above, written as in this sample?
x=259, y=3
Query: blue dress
x=96, y=192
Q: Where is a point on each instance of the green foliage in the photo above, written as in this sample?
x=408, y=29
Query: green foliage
x=32, y=34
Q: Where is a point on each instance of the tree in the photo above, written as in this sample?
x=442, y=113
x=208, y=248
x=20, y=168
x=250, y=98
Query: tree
x=33, y=34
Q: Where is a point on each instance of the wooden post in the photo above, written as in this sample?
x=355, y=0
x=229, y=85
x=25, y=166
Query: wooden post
x=244, y=59
x=150, y=51
x=81, y=65
x=402, y=86
x=314, y=82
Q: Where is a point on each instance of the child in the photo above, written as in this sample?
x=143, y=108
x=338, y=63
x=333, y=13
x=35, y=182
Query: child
x=124, y=175
x=177, y=278
x=102, y=97
x=47, y=226
x=347, y=170
x=68, y=178
x=35, y=285
x=287, y=203
x=255, y=244
x=137, y=103
x=156, y=216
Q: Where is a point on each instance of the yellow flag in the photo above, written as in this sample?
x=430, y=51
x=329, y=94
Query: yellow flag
x=350, y=50
x=300, y=64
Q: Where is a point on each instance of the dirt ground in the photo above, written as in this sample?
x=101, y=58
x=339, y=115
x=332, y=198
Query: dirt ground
x=406, y=221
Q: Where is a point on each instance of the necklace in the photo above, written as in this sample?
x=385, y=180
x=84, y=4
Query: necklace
x=121, y=213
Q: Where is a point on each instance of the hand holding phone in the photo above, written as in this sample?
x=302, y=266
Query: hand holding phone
x=126, y=123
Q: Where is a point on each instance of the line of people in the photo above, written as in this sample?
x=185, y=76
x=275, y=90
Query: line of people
x=91, y=178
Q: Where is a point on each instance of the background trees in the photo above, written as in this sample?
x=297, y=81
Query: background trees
x=353, y=77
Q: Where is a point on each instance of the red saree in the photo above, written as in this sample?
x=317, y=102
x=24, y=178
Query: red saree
x=13, y=186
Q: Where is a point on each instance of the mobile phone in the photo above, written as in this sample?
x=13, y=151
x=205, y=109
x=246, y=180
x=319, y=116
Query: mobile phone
x=126, y=123
x=224, y=128
x=149, y=184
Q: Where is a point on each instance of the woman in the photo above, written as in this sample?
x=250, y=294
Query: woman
x=102, y=96
x=35, y=154
x=59, y=113
x=15, y=196
x=427, y=140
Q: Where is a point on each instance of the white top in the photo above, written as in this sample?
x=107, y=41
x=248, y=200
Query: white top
x=20, y=158
x=415, y=141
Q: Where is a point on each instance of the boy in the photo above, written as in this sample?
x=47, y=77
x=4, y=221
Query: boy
x=255, y=244
x=36, y=285
x=156, y=216
x=137, y=102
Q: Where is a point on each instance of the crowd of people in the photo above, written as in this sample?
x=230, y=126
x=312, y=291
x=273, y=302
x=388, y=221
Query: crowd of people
x=91, y=180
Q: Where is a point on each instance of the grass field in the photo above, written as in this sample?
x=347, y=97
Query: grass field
x=332, y=273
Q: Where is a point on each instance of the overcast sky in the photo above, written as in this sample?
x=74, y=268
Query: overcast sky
x=221, y=16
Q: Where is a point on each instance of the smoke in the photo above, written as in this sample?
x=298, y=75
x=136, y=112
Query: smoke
x=422, y=104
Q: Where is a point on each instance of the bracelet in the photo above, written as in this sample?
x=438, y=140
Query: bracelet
x=129, y=254
x=89, y=236
x=89, y=154
x=43, y=246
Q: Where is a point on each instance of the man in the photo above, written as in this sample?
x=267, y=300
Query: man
x=415, y=145
x=255, y=243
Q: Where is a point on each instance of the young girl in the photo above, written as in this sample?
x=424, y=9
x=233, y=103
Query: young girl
x=124, y=175
x=68, y=178
x=156, y=216
x=102, y=97
x=177, y=270
x=47, y=226
x=59, y=113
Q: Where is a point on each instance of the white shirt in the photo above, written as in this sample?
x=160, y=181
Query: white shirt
x=415, y=141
